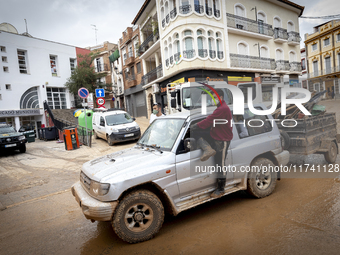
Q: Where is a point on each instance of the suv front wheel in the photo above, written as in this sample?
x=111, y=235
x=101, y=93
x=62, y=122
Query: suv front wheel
x=138, y=217
x=261, y=182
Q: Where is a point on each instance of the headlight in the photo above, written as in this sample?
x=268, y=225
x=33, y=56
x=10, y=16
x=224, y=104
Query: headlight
x=22, y=137
x=114, y=130
x=99, y=189
x=137, y=127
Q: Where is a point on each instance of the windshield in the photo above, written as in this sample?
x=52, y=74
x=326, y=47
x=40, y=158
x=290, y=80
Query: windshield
x=6, y=130
x=192, y=97
x=116, y=119
x=162, y=133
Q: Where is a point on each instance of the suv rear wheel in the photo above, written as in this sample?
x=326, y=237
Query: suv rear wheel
x=261, y=183
x=138, y=217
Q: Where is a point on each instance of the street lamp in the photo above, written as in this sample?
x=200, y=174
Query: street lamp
x=254, y=8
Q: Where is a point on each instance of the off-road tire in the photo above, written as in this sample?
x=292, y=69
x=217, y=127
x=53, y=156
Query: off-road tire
x=22, y=148
x=330, y=156
x=285, y=140
x=139, y=200
x=95, y=136
x=254, y=179
x=109, y=141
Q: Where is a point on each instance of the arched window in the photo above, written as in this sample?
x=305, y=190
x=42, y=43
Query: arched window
x=177, y=47
x=264, y=52
x=240, y=10
x=162, y=17
x=219, y=45
x=280, y=64
x=277, y=22
x=216, y=6
x=170, y=52
x=167, y=17
x=188, y=40
x=198, y=4
x=173, y=10
x=211, y=45
x=265, y=61
x=185, y=6
x=208, y=9
x=242, y=48
x=243, y=58
x=279, y=54
x=261, y=19
x=201, y=44
x=292, y=56
x=290, y=26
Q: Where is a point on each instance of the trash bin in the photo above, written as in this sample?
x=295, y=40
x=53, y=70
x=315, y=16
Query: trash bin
x=30, y=136
x=50, y=133
x=71, y=140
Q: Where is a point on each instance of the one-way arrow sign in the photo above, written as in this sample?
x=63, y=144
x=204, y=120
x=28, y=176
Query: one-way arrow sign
x=100, y=93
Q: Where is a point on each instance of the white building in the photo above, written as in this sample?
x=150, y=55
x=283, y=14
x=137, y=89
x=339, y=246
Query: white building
x=32, y=70
x=235, y=41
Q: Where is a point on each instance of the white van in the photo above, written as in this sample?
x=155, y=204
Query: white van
x=115, y=126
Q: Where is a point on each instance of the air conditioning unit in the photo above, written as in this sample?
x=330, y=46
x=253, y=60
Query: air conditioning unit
x=155, y=88
x=127, y=70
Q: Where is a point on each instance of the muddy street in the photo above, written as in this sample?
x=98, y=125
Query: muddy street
x=39, y=215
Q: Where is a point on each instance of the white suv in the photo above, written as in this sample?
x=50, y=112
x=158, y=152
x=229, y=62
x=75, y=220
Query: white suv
x=115, y=126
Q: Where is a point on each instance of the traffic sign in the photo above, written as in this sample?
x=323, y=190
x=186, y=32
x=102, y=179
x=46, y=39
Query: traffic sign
x=83, y=92
x=100, y=101
x=113, y=99
x=100, y=93
x=101, y=106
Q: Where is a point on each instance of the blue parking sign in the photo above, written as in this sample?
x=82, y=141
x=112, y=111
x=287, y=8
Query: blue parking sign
x=100, y=93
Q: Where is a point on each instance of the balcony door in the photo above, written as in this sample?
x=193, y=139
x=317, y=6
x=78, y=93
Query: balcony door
x=261, y=20
x=239, y=22
x=328, y=65
x=316, y=68
x=265, y=62
x=243, y=60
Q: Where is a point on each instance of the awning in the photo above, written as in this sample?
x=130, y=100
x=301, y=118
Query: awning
x=115, y=55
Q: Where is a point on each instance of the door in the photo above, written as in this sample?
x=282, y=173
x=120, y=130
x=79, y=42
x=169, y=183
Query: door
x=193, y=175
x=101, y=128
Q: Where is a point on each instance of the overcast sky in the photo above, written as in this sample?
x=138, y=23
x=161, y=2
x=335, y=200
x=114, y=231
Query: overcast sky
x=69, y=21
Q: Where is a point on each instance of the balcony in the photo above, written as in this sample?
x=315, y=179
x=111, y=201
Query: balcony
x=177, y=56
x=148, y=43
x=217, y=13
x=130, y=60
x=245, y=61
x=220, y=54
x=185, y=9
x=188, y=54
x=199, y=8
x=167, y=62
x=282, y=66
x=167, y=18
x=152, y=75
x=327, y=71
x=248, y=27
x=203, y=53
x=295, y=67
x=208, y=10
x=171, y=60
x=212, y=54
x=131, y=81
x=173, y=13
x=280, y=35
x=127, y=35
x=101, y=68
x=294, y=38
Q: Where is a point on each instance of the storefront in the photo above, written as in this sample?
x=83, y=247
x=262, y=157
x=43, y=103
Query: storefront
x=28, y=118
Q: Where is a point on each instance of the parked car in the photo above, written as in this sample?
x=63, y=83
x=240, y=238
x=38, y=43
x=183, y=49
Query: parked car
x=11, y=139
x=115, y=126
x=132, y=188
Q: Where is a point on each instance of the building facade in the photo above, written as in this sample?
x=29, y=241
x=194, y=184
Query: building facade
x=33, y=70
x=132, y=71
x=323, y=58
x=235, y=41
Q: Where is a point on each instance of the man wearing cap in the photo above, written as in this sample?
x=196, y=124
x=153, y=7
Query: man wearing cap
x=157, y=112
x=215, y=139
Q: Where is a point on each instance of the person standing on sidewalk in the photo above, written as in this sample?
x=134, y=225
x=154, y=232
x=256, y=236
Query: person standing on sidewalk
x=157, y=112
x=216, y=140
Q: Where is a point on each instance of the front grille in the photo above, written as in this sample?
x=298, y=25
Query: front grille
x=11, y=139
x=127, y=129
x=85, y=181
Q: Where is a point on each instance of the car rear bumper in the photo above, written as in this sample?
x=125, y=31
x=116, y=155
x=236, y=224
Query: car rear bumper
x=92, y=208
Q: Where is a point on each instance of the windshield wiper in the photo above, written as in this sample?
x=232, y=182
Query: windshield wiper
x=153, y=146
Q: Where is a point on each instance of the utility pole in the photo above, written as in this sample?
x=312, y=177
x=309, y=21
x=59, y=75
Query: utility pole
x=95, y=29
x=26, y=26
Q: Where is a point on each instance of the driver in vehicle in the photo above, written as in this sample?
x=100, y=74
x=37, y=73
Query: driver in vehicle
x=215, y=140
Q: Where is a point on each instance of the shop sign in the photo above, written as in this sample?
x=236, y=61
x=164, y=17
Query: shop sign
x=14, y=113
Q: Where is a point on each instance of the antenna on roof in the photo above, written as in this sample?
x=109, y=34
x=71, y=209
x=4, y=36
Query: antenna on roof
x=26, y=26
x=95, y=29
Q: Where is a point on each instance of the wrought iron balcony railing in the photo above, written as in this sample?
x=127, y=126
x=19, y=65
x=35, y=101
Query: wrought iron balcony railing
x=171, y=60
x=212, y=54
x=325, y=71
x=167, y=62
x=145, y=45
x=217, y=13
x=208, y=10
x=295, y=66
x=282, y=65
x=152, y=75
x=184, y=9
x=220, y=54
x=167, y=18
x=189, y=54
x=177, y=56
x=249, y=25
x=163, y=23
x=173, y=13
x=199, y=8
x=294, y=37
x=102, y=68
x=246, y=61
x=280, y=33
x=203, y=53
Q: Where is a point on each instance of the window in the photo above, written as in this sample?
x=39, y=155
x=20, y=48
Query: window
x=72, y=64
x=315, y=68
x=4, y=59
x=338, y=37
x=98, y=65
x=53, y=62
x=56, y=98
x=328, y=65
x=0, y=97
x=291, y=26
x=8, y=87
x=277, y=22
x=326, y=42
x=303, y=64
x=314, y=47
x=5, y=68
x=22, y=61
x=138, y=67
x=2, y=49
x=317, y=87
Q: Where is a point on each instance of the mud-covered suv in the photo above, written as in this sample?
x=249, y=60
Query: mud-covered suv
x=163, y=173
x=11, y=139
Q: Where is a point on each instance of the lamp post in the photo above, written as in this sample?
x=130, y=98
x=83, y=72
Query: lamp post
x=254, y=8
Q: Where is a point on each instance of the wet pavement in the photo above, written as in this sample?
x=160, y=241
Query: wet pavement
x=39, y=215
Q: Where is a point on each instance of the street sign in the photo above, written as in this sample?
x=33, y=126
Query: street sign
x=100, y=101
x=113, y=99
x=83, y=92
x=100, y=93
x=84, y=104
x=90, y=100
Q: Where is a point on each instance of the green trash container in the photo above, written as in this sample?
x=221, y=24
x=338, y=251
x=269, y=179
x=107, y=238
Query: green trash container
x=30, y=136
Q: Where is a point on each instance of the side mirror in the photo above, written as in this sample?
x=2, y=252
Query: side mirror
x=173, y=103
x=190, y=144
x=133, y=119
